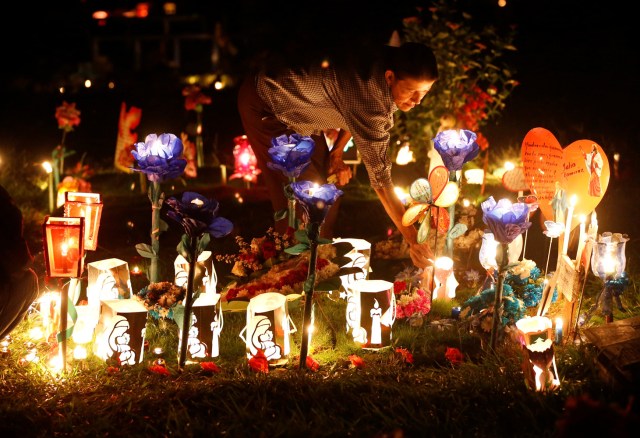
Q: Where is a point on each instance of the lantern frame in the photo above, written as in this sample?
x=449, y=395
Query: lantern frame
x=70, y=229
x=89, y=206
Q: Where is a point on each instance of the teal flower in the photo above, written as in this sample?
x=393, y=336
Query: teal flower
x=505, y=220
x=160, y=157
x=315, y=200
x=291, y=155
x=456, y=147
x=198, y=215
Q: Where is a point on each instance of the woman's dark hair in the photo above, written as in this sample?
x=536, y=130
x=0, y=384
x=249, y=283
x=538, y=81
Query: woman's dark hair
x=412, y=60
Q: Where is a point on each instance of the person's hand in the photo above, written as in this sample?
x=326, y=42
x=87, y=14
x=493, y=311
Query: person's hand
x=339, y=173
x=421, y=255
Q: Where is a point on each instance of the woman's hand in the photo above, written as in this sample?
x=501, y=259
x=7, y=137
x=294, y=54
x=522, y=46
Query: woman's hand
x=339, y=173
x=421, y=255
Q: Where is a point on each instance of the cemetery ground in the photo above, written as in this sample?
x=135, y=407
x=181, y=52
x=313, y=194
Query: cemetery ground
x=383, y=395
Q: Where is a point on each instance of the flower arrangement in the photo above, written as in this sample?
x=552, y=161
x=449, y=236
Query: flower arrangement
x=259, y=254
x=412, y=301
x=160, y=299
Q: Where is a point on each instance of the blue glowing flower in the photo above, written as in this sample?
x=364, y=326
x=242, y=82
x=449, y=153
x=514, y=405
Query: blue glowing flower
x=198, y=215
x=315, y=200
x=456, y=147
x=291, y=155
x=505, y=220
x=160, y=157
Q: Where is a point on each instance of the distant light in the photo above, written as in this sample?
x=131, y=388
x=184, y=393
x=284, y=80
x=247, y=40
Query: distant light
x=466, y=202
x=508, y=165
x=100, y=15
x=87, y=83
x=325, y=63
x=61, y=90
x=111, y=85
x=142, y=10
x=169, y=8
x=502, y=3
x=47, y=167
x=218, y=85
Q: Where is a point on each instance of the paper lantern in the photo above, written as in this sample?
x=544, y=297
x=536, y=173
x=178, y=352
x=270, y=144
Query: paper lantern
x=268, y=328
x=89, y=206
x=491, y=251
x=539, y=366
x=375, y=313
x=120, y=331
x=49, y=308
x=348, y=284
x=64, y=246
x=107, y=279
x=205, y=280
x=445, y=281
x=205, y=328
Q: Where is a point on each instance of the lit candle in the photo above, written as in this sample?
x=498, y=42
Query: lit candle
x=567, y=229
x=583, y=237
x=558, y=330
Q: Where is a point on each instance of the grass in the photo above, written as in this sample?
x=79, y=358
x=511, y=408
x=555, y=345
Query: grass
x=486, y=395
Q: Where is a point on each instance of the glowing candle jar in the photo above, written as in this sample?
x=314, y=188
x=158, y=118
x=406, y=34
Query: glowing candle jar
x=89, y=206
x=536, y=338
x=64, y=246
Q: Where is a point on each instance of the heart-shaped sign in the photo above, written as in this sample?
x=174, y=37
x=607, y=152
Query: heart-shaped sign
x=542, y=159
x=586, y=175
x=581, y=169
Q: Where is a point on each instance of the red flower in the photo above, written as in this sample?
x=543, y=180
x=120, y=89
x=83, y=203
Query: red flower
x=113, y=370
x=312, y=364
x=406, y=354
x=269, y=250
x=357, y=361
x=399, y=287
x=210, y=367
x=68, y=116
x=194, y=98
x=259, y=362
x=159, y=369
x=454, y=356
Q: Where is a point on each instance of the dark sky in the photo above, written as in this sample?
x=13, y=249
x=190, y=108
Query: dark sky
x=575, y=61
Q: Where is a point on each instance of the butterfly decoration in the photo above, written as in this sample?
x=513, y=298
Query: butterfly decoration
x=531, y=201
x=425, y=206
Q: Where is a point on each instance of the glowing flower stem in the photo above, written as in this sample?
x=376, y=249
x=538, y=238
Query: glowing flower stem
x=188, y=301
x=497, y=306
x=309, y=285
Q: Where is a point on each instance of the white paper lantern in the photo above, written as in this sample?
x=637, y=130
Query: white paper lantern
x=536, y=337
x=121, y=330
x=206, y=325
x=268, y=328
x=374, y=313
x=205, y=280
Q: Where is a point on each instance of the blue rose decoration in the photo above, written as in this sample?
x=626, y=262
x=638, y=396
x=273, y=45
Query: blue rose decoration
x=198, y=215
x=456, y=147
x=315, y=200
x=160, y=157
x=291, y=155
x=505, y=220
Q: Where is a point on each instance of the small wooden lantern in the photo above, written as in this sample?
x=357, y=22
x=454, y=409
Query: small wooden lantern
x=89, y=206
x=64, y=246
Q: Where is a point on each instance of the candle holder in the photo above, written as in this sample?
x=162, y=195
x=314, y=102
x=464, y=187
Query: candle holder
x=539, y=363
x=608, y=261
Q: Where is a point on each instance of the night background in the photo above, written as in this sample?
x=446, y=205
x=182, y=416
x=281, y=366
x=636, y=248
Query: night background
x=574, y=61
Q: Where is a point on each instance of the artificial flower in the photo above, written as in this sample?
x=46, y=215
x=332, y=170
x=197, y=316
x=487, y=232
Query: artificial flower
x=416, y=303
x=315, y=200
x=312, y=364
x=210, y=367
x=159, y=369
x=405, y=354
x=505, y=220
x=523, y=269
x=161, y=298
x=112, y=370
x=454, y=356
x=456, y=147
x=198, y=215
x=356, y=361
x=67, y=116
x=259, y=362
x=291, y=155
x=553, y=229
x=160, y=157
x=194, y=98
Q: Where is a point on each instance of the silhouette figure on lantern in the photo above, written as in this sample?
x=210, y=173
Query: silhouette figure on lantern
x=376, y=329
x=593, y=162
x=119, y=343
x=263, y=339
x=216, y=328
x=195, y=346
